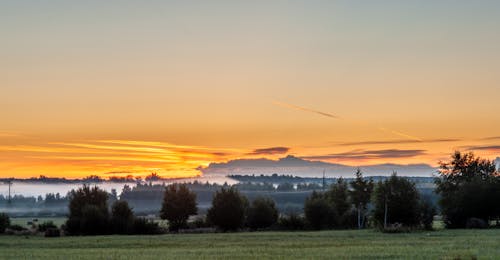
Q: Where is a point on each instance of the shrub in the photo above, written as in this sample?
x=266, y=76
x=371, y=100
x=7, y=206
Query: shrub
x=46, y=225
x=262, y=213
x=228, y=209
x=427, y=212
x=476, y=223
x=17, y=228
x=292, y=221
x=94, y=221
x=52, y=232
x=4, y=222
x=143, y=226
x=178, y=204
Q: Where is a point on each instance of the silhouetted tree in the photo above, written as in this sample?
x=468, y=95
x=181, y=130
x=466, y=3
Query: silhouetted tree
x=122, y=217
x=228, y=209
x=470, y=188
x=360, y=196
x=178, y=204
x=88, y=211
x=262, y=213
x=339, y=197
x=4, y=222
x=396, y=200
x=319, y=211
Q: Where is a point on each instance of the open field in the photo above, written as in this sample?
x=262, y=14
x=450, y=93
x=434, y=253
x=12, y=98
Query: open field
x=443, y=244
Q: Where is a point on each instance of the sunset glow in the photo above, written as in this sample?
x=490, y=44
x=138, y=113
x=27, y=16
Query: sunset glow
x=94, y=89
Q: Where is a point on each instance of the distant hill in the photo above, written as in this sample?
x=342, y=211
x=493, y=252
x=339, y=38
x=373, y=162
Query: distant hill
x=307, y=168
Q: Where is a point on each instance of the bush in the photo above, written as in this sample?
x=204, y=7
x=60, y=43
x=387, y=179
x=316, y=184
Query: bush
x=262, y=213
x=143, y=226
x=476, y=223
x=17, y=228
x=52, y=232
x=318, y=212
x=199, y=222
x=178, y=204
x=291, y=222
x=4, y=222
x=46, y=225
x=122, y=218
x=427, y=212
x=228, y=209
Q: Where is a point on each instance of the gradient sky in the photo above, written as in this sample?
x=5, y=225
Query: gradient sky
x=95, y=87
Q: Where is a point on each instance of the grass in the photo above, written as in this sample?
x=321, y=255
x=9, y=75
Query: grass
x=351, y=244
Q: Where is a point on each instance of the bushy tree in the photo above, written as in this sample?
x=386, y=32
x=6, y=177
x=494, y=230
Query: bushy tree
x=469, y=187
x=360, y=196
x=396, y=200
x=178, y=204
x=88, y=211
x=319, y=211
x=4, y=222
x=339, y=197
x=262, y=213
x=228, y=209
x=122, y=218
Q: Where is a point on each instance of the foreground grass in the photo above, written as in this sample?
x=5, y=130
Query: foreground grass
x=443, y=244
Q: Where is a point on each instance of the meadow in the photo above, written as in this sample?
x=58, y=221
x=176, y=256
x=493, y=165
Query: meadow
x=348, y=244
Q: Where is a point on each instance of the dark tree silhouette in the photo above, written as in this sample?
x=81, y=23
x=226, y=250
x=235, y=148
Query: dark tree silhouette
x=122, y=217
x=360, y=196
x=4, y=222
x=396, y=200
x=319, y=211
x=178, y=204
x=469, y=187
x=339, y=197
x=87, y=207
x=228, y=209
x=262, y=213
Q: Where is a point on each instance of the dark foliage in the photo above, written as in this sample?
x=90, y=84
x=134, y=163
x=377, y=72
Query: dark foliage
x=319, y=212
x=360, y=197
x=88, y=212
x=143, y=226
x=178, y=204
x=52, y=232
x=399, y=197
x=262, y=213
x=46, y=225
x=470, y=188
x=292, y=221
x=4, y=222
x=427, y=213
x=122, y=218
x=338, y=195
x=228, y=209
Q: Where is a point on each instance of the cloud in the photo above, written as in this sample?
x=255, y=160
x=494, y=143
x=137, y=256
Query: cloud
x=383, y=129
x=401, y=141
x=491, y=138
x=271, y=150
x=305, y=109
x=368, y=154
x=483, y=147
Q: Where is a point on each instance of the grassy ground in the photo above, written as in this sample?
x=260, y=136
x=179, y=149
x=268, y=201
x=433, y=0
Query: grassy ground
x=443, y=244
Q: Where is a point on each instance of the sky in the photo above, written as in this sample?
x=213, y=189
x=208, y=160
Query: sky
x=132, y=87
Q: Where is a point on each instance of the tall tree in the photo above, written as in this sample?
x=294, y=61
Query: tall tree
x=360, y=193
x=396, y=200
x=88, y=211
x=178, y=204
x=469, y=187
x=228, y=209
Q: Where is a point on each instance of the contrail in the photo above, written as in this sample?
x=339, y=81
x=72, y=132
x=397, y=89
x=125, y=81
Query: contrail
x=305, y=109
x=383, y=129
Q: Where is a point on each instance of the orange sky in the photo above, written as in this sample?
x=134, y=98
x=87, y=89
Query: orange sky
x=126, y=87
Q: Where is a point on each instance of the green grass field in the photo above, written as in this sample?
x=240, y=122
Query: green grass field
x=443, y=244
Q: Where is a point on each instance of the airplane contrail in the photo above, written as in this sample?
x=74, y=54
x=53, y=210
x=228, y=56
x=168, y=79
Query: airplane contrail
x=383, y=129
x=305, y=109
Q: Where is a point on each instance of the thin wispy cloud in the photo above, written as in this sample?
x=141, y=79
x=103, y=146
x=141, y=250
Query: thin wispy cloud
x=368, y=154
x=299, y=108
x=483, y=147
x=400, y=141
x=271, y=150
x=329, y=115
